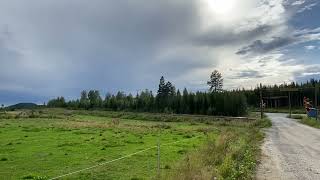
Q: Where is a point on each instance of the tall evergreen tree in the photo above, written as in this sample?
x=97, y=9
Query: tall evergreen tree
x=162, y=87
x=84, y=101
x=161, y=96
x=215, y=82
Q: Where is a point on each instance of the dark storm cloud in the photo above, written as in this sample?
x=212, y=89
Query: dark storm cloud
x=12, y=97
x=220, y=36
x=260, y=46
x=248, y=74
x=104, y=45
x=290, y=37
x=296, y=37
x=51, y=48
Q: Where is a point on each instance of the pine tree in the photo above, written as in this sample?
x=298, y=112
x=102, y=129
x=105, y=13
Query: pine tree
x=185, y=102
x=162, y=87
x=215, y=82
x=161, y=96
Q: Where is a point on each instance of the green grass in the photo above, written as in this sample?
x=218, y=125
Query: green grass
x=296, y=116
x=294, y=110
x=304, y=119
x=50, y=142
x=310, y=122
x=232, y=154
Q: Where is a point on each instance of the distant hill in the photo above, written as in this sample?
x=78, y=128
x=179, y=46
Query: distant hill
x=23, y=106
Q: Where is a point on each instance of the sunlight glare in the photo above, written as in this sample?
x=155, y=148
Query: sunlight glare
x=221, y=7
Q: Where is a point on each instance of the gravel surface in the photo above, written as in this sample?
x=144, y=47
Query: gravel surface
x=291, y=150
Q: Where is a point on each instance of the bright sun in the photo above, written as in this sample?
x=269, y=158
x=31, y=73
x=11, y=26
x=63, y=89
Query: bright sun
x=221, y=7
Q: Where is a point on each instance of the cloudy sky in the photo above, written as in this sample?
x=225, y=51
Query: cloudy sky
x=57, y=47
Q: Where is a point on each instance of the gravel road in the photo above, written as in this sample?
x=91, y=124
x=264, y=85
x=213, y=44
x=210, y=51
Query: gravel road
x=291, y=151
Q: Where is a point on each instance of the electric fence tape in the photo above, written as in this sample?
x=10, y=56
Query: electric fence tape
x=108, y=162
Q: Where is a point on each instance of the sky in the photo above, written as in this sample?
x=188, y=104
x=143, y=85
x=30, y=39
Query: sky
x=52, y=48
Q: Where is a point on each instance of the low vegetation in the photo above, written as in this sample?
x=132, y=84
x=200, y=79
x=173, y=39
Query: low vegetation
x=296, y=116
x=294, y=110
x=59, y=141
x=230, y=155
x=304, y=119
x=310, y=122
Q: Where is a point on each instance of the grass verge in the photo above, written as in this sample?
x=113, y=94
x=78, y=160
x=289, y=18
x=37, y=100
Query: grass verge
x=231, y=155
x=306, y=120
x=294, y=110
x=310, y=122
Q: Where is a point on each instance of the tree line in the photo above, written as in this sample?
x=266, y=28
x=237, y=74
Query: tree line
x=216, y=101
x=305, y=89
x=167, y=100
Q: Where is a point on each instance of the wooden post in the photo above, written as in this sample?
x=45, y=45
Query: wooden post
x=158, y=158
x=316, y=88
x=289, y=90
x=261, y=102
x=290, y=105
x=315, y=96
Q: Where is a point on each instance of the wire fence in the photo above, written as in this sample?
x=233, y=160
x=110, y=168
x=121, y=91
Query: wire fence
x=123, y=157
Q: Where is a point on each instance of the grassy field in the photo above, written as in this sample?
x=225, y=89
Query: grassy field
x=46, y=143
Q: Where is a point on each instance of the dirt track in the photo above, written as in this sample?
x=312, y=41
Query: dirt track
x=291, y=151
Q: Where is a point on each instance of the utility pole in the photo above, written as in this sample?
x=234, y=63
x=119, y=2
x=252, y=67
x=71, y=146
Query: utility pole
x=261, y=102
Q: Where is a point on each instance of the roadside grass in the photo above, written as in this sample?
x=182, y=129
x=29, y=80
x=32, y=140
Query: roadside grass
x=46, y=143
x=297, y=116
x=233, y=154
x=294, y=110
x=310, y=122
x=304, y=119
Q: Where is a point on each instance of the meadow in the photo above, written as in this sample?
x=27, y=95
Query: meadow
x=47, y=143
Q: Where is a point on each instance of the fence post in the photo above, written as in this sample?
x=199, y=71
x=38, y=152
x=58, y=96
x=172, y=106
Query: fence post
x=158, y=156
x=290, y=110
x=261, y=102
x=315, y=95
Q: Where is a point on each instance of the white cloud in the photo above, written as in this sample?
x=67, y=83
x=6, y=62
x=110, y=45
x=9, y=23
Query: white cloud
x=298, y=2
x=267, y=69
x=310, y=74
x=308, y=7
x=310, y=47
